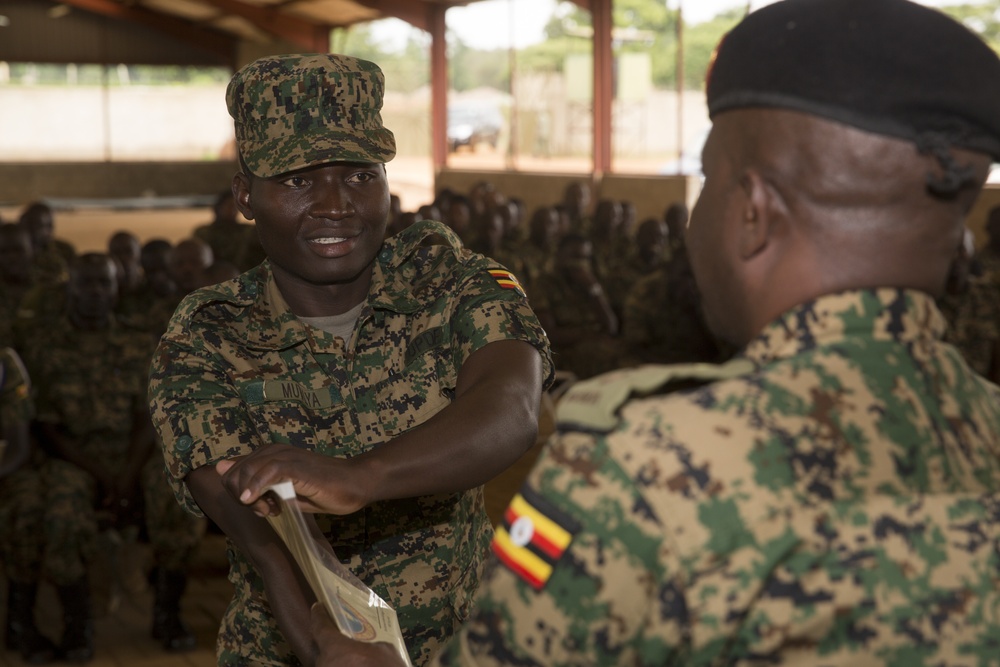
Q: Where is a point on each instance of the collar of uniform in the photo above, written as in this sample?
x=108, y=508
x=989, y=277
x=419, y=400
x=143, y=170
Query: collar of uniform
x=881, y=314
x=271, y=323
x=394, y=277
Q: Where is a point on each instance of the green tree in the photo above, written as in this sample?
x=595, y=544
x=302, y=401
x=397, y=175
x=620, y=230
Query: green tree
x=470, y=68
x=647, y=26
x=405, y=70
x=981, y=17
x=700, y=42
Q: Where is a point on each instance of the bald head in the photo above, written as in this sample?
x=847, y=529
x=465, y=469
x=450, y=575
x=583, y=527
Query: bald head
x=810, y=206
x=866, y=201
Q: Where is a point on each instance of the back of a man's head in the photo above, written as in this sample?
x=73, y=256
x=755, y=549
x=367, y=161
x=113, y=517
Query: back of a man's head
x=850, y=139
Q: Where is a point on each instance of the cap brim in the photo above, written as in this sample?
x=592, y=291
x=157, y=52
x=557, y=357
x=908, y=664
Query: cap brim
x=285, y=154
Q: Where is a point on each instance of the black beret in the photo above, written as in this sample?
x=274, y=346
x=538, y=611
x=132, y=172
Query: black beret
x=889, y=67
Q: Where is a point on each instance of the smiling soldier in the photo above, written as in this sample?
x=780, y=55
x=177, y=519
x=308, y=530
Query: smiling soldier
x=398, y=376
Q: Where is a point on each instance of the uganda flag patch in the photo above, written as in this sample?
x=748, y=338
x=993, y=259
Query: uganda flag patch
x=533, y=537
x=507, y=280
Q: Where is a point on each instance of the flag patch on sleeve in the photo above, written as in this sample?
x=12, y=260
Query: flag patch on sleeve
x=533, y=537
x=507, y=280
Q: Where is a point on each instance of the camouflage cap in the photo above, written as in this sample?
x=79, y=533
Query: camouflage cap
x=301, y=110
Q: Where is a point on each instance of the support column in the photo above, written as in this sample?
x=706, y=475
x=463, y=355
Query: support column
x=603, y=85
x=439, y=86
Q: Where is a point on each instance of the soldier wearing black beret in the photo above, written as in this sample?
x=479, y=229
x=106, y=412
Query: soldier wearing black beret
x=830, y=498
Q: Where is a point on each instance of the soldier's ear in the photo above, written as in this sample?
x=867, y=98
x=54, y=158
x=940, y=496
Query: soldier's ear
x=241, y=194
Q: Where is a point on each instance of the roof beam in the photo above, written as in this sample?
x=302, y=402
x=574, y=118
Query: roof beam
x=207, y=39
x=311, y=36
x=415, y=12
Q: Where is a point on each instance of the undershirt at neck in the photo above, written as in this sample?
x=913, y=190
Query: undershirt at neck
x=341, y=325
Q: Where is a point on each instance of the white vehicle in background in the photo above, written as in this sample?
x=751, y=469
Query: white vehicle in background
x=471, y=125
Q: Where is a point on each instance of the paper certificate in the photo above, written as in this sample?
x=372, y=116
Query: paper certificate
x=357, y=610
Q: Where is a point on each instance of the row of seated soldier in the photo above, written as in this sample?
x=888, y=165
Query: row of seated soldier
x=614, y=292
x=80, y=330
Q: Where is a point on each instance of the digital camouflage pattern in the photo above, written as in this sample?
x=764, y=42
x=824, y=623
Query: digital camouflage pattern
x=536, y=260
x=237, y=243
x=237, y=370
x=988, y=260
x=570, y=307
x=10, y=303
x=92, y=384
x=16, y=406
x=297, y=111
x=836, y=506
x=974, y=322
x=51, y=264
x=15, y=389
x=41, y=308
x=662, y=321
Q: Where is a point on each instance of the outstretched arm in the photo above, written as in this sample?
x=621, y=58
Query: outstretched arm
x=490, y=424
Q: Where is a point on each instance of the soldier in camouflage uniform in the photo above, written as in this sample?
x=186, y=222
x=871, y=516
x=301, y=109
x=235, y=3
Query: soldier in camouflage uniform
x=231, y=240
x=575, y=310
x=22, y=508
x=676, y=218
x=646, y=254
x=988, y=257
x=16, y=276
x=539, y=247
x=51, y=255
x=971, y=306
x=401, y=374
x=90, y=372
x=663, y=322
x=832, y=499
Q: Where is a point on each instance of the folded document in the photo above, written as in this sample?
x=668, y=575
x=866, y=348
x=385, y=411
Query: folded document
x=357, y=610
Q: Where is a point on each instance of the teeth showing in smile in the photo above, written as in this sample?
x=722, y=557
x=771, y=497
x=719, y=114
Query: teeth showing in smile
x=328, y=240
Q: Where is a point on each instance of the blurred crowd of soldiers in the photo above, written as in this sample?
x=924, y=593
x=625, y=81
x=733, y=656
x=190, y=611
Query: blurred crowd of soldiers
x=610, y=291
x=85, y=327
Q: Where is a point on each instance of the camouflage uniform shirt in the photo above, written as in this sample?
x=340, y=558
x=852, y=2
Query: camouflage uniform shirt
x=15, y=390
x=663, y=323
x=974, y=321
x=237, y=370
x=832, y=504
x=233, y=243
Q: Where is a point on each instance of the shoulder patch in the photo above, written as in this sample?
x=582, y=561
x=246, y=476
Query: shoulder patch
x=507, y=280
x=533, y=537
x=593, y=404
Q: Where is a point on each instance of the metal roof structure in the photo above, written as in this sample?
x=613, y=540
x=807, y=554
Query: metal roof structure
x=232, y=33
x=214, y=31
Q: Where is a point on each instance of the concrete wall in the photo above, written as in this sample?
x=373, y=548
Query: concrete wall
x=21, y=183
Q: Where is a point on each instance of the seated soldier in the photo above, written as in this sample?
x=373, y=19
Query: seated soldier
x=100, y=446
x=574, y=310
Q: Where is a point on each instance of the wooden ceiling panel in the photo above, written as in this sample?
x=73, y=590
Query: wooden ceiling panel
x=190, y=10
x=240, y=27
x=332, y=12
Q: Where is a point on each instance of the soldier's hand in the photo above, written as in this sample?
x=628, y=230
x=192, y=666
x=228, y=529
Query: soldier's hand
x=338, y=650
x=322, y=483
